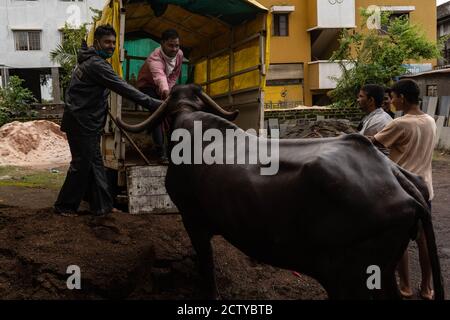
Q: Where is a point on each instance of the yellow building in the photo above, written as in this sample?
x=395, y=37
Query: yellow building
x=305, y=33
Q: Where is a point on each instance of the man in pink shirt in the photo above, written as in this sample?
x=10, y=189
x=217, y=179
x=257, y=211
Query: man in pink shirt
x=158, y=76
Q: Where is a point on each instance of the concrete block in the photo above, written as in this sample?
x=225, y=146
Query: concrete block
x=444, y=106
x=273, y=125
x=432, y=106
x=444, y=141
x=283, y=128
x=440, y=125
x=424, y=105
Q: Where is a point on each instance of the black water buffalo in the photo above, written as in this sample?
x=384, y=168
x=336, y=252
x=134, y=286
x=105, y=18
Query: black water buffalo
x=336, y=207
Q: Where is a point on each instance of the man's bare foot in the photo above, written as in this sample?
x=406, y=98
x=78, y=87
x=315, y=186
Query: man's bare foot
x=426, y=294
x=115, y=210
x=406, y=293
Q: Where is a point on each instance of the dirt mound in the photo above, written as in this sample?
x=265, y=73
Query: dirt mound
x=125, y=257
x=320, y=129
x=34, y=143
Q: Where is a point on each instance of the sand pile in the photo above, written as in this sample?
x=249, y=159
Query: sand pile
x=320, y=129
x=35, y=144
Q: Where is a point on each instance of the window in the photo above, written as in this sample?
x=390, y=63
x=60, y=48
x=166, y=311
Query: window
x=446, y=29
x=395, y=15
x=281, y=24
x=432, y=90
x=27, y=40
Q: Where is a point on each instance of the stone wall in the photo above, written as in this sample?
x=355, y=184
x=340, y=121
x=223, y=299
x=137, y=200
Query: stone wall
x=352, y=114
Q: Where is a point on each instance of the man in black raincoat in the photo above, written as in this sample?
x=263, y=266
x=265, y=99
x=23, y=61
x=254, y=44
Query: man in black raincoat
x=83, y=121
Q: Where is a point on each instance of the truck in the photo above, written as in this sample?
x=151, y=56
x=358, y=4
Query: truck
x=226, y=44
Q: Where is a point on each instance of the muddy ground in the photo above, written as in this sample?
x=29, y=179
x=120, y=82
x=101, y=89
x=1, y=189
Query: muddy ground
x=147, y=257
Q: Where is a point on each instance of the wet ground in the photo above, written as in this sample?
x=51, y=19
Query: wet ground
x=148, y=256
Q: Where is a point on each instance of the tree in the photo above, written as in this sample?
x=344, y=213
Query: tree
x=14, y=100
x=66, y=53
x=377, y=56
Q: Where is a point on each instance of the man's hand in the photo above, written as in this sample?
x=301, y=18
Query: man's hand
x=165, y=94
x=154, y=104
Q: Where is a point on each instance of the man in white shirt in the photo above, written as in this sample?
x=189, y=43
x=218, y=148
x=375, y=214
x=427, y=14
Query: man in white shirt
x=370, y=100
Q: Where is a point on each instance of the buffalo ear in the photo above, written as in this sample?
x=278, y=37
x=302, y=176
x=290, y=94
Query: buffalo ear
x=196, y=89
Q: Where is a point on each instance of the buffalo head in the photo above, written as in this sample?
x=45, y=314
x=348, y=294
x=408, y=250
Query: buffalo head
x=188, y=98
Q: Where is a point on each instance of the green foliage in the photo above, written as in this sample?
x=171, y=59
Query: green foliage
x=96, y=14
x=378, y=56
x=66, y=53
x=15, y=100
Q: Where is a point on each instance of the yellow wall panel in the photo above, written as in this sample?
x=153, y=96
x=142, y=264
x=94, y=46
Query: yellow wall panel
x=246, y=80
x=200, y=72
x=219, y=87
x=248, y=29
x=276, y=94
x=220, y=66
x=246, y=57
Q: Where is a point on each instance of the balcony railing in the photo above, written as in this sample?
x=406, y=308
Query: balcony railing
x=322, y=74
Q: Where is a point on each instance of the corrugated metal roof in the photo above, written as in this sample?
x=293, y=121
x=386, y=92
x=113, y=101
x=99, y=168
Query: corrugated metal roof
x=439, y=71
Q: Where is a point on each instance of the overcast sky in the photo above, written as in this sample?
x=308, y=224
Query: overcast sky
x=439, y=2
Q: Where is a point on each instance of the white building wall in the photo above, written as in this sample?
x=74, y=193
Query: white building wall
x=46, y=15
x=336, y=14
